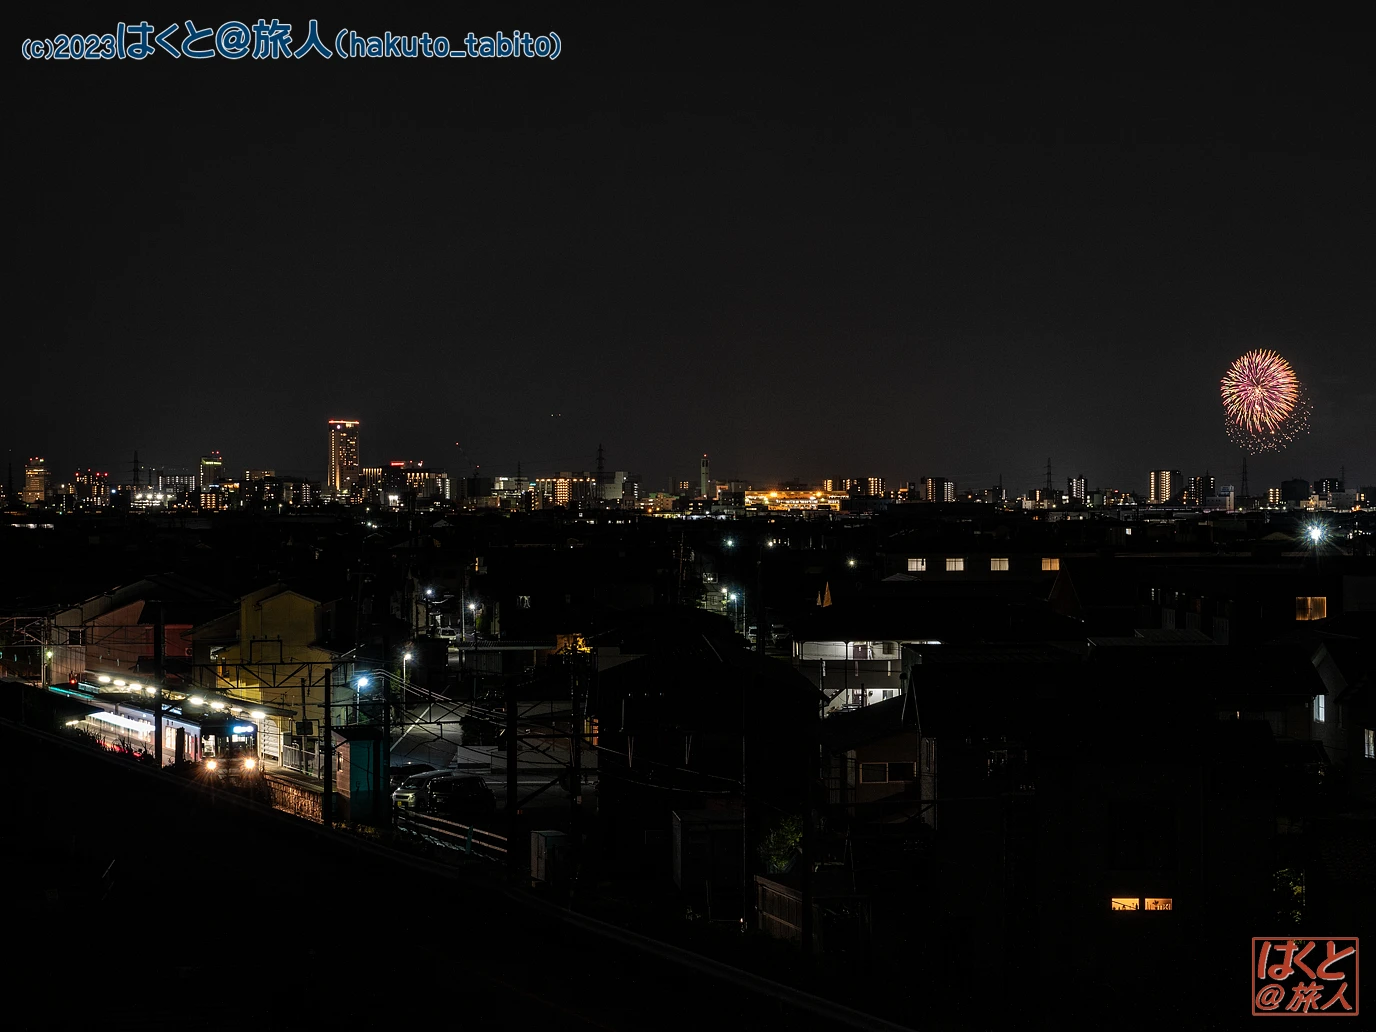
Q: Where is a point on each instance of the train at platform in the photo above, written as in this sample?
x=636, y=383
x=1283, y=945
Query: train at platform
x=121, y=717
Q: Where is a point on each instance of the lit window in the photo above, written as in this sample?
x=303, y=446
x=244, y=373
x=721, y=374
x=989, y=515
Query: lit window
x=1159, y=904
x=874, y=773
x=1311, y=607
x=917, y=565
x=1369, y=743
x=1319, y=702
x=998, y=565
x=955, y=565
x=1051, y=564
x=1125, y=903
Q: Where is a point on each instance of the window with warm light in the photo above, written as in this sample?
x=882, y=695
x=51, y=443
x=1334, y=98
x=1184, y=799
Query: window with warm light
x=1311, y=607
x=917, y=565
x=1141, y=903
x=1050, y=563
x=998, y=565
x=955, y=565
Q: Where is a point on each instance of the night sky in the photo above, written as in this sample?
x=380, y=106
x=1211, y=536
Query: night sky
x=844, y=249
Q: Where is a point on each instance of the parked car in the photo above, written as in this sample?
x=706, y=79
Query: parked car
x=398, y=774
x=412, y=795
x=460, y=795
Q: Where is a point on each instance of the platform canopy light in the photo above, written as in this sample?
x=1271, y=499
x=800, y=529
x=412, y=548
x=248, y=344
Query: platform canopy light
x=196, y=700
x=103, y=678
x=217, y=705
x=119, y=683
x=257, y=714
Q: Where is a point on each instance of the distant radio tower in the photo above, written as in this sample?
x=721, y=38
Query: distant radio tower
x=1245, y=493
x=1048, y=476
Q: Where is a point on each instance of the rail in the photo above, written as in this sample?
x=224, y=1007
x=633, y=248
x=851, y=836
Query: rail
x=449, y=834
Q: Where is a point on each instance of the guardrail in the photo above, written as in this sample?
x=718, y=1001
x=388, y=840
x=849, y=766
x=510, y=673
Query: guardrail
x=449, y=834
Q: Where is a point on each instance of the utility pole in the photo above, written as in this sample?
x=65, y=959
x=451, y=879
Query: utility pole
x=576, y=679
x=809, y=778
x=159, y=662
x=327, y=768
x=385, y=757
x=511, y=787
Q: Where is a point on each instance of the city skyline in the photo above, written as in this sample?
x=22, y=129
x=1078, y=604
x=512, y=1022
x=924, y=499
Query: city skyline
x=345, y=471
x=954, y=253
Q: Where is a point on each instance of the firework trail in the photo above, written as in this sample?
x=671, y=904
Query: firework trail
x=1265, y=403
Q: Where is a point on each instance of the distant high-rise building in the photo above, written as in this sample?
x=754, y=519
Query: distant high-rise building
x=92, y=488
x=1295, y=491
x=35, y=481
x=252, y=476
x=1273, y=496
x=1328, y=485
x=1075, y=489
x=566, y=488
x=212, y=471
x=705, y=477
x=1166, y=486
x=939, y=489
x=344, y=469
x=874, y=487
x=1197, y=489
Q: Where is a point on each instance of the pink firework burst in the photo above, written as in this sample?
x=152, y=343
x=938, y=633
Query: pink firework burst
x=1264, y=401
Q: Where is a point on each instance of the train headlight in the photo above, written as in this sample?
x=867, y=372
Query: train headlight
x=211, y=765
x=250, y=763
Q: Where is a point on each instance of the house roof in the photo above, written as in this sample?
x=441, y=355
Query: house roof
x=854, y=728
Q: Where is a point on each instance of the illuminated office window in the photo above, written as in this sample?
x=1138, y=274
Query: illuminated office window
x=917, y=565
x=1051, y=564
x=1320, y=702
x=955, y=565
x=998, y=565
x=1311, y=607
x=1141, y=903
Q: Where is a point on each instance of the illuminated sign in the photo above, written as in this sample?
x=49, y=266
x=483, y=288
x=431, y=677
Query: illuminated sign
x=242, y=729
